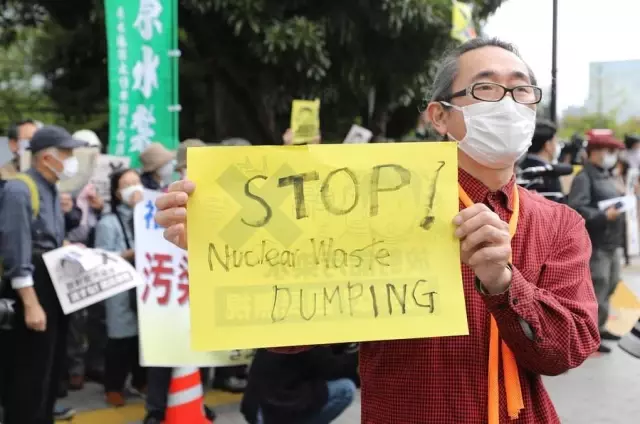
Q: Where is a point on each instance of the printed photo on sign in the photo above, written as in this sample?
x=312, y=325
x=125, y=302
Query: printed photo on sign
x=83, y=277
x=107, y=165
x=330, y=243
x=163, y=299
x=358, y=135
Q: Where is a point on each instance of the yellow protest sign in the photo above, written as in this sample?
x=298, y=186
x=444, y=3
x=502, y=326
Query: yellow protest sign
x=305, y=120
x=296, y=245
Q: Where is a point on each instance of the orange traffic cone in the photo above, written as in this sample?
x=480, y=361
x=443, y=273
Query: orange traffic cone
x=185, y=402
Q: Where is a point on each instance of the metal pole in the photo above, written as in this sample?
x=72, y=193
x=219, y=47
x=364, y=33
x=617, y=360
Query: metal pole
x=554, y=64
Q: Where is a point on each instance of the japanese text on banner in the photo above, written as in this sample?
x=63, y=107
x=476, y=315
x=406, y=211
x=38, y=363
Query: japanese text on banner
x=323, y=244
x=141, y=82
x=163, y=298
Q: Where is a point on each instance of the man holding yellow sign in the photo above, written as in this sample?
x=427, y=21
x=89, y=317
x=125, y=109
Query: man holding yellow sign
x=529, y=302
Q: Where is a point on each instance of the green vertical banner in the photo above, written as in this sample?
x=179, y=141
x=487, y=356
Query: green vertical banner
x=142, y=38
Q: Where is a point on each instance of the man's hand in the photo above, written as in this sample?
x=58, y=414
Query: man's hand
x=35, y=317
x=66, y=202
x=172, y=212
x=612, y=213
x=287, y=138
x=485, y=246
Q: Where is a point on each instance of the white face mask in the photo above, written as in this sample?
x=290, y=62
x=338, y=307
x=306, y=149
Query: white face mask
x=609, y=160
x=23, y=145
x=634, y=157
x=70, y=168
x=128, y=193
x=498, y=133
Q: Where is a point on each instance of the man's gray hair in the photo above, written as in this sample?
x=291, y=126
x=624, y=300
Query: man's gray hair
x=448, y=68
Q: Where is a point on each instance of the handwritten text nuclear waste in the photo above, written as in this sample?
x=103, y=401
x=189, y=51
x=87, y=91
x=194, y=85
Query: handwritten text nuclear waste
x=324, y=254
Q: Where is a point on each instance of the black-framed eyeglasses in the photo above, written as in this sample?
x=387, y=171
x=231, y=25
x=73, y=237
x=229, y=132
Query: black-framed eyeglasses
x=493, y=92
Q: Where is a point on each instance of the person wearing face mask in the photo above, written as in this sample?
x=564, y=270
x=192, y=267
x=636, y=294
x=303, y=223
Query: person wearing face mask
x=632, y=152
x=592, y=185
x=19, y=136
x=114, y=233
x=37, y=343
x=158, y=167
x=525, y=265
x=544, y=150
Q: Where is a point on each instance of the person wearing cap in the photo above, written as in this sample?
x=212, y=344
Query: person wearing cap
x=181, y=157
x=592, y=185
x=37, y=344
x=545, y=149
x=87, y=332
x=158, y=166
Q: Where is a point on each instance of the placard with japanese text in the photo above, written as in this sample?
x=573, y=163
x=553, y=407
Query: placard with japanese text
x=142, y=64
x=298, y=245
x=78, y=285
x=163, y=299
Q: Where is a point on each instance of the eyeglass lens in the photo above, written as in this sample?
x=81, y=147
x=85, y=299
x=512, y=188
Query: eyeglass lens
x=491, y=92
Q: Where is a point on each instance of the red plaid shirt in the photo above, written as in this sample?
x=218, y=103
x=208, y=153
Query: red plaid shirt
x=548, y=318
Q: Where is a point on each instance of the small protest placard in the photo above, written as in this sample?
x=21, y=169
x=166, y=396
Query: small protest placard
x=358, y=135
x=78, y=287
x=163, y=299
x=107, y=165
x=327, y=244
x=305, y=121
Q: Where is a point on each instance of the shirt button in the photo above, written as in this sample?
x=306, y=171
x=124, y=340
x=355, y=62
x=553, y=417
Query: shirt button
x=515, y=301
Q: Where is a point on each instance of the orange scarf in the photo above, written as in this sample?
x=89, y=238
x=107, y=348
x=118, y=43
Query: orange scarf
x=509, y=367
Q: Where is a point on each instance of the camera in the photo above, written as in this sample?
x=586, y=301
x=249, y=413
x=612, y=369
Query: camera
x=7, y=314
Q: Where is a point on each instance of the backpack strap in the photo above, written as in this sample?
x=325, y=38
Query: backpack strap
x=33, y=190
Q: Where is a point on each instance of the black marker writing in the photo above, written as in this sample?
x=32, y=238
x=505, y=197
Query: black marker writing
x=429, y=219
x=405, y=179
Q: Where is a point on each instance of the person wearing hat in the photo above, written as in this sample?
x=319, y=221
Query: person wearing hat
x=592, y=185
x=158, y=166
x=36, y=347
x=181, y=158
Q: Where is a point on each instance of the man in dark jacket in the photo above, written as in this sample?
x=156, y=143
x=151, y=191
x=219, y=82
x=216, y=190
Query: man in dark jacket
x=304, y=388
x=592, y=185
x=545, y=149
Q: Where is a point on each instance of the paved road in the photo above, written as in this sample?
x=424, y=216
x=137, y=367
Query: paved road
x=604, y=390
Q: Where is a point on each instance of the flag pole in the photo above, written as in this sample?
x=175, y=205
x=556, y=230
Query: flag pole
x=554, y=65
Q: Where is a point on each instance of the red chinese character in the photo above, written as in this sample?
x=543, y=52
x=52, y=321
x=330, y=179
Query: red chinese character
x=183, y=281
x=158, y=273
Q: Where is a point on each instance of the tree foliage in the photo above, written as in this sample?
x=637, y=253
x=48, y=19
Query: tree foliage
x=243, y=61
x=572, y=124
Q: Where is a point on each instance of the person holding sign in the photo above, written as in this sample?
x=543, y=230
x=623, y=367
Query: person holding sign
x=305, y=121
x=530, y=305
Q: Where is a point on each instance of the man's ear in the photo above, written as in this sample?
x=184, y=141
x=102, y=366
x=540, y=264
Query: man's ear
x=437, y=116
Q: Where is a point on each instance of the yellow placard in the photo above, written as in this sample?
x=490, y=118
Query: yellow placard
x=305, y=121
x=296, y=245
